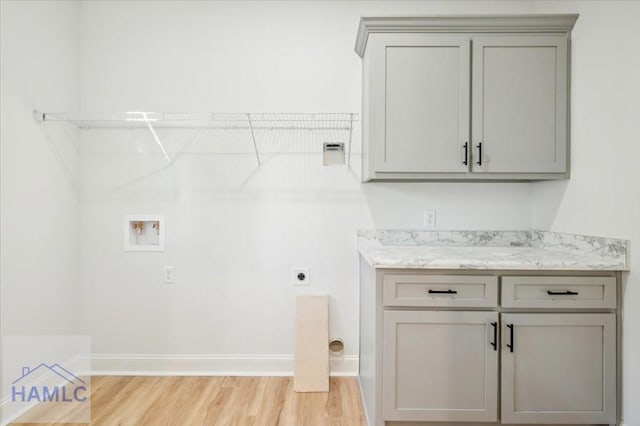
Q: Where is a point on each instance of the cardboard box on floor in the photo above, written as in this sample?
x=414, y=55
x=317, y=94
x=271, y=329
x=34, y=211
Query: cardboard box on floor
x=311, y=369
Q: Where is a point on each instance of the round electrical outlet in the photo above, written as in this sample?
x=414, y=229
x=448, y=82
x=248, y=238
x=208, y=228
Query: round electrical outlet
x=300, y=275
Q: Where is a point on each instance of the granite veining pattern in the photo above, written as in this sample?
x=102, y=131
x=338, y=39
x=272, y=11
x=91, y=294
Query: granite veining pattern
x=453, y=238
x=597, y=246
x=509, y=250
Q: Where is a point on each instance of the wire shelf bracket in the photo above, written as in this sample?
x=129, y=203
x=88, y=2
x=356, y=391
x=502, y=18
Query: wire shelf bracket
x=253, y=138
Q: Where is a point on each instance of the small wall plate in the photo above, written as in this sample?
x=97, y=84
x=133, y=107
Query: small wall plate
x=144, y=232
x=333, y=154
x=300, y=275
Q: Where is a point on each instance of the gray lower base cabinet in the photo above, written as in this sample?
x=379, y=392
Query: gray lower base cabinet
x=449, y=347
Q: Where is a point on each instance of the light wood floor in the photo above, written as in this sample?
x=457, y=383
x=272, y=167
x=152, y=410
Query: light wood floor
x=223, y=401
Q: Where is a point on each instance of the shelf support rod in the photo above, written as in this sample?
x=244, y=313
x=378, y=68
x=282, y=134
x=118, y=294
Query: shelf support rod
x=253, y=138
x=155, y=137
x=350, y=137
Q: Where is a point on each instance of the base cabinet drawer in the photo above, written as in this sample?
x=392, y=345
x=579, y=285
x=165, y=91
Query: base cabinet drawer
x=440, y=290
x=558, y=368
x=440, y=366
x=559, y=292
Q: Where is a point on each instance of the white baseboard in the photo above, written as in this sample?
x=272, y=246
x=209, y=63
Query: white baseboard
x=209, y=365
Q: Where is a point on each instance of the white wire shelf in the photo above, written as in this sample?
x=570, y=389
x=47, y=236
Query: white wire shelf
x=250, y=122
x=133, y=119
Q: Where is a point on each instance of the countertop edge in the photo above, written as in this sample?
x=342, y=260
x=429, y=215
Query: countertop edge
x=484, y=251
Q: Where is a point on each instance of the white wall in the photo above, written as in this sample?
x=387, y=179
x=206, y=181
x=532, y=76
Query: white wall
x=39, y=208
x=603, y=195
x=234, y=232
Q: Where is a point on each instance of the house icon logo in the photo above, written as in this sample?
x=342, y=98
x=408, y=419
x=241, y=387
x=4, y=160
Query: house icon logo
x=68, y=388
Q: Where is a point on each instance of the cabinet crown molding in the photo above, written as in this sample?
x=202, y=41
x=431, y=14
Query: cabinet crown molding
x=556, y=23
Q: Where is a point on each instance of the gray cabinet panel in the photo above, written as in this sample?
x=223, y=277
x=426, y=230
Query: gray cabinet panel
x=440, y=290
x=559, y=292
x=519, y=103
x=562, y=368
x=422, y=102
x=440, y=366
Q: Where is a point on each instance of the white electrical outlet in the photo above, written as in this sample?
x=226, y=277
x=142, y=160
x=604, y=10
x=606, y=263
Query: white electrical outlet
x=169, y=275
x=429, y=218
x=300, y=275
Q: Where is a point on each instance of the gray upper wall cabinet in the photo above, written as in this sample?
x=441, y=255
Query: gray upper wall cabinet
x=465, y=97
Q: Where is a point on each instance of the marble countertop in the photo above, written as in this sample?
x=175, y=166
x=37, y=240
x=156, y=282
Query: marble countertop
x=500, y=250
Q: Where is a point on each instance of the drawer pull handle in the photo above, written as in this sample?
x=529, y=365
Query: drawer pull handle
x=510, y=344
x=562, y=293
x=495, y=336
x=443, y=291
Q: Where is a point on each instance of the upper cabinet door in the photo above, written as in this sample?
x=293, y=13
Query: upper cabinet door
x=519, y=91
x=420, y=101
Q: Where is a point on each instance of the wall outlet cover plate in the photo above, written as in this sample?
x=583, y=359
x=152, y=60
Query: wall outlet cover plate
x=300, y=275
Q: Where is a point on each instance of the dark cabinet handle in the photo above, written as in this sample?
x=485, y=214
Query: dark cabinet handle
x=443, y=291
x=510, y=344
x=479, y=146
x=466, y=154
x=562, y=293
x=495, y=336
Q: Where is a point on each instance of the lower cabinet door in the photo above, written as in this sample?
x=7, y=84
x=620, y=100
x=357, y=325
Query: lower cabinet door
x=440, y=366
x=559, y=368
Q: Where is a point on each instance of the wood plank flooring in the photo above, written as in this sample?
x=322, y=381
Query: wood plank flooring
x=223, y=401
